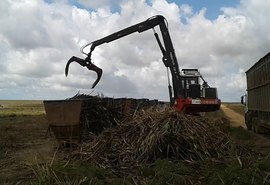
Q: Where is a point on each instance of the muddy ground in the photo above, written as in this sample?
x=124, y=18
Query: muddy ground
x=26, y=142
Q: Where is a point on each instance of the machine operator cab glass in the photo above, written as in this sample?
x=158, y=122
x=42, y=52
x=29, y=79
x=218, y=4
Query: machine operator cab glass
x=193, y=87
x=190, y=83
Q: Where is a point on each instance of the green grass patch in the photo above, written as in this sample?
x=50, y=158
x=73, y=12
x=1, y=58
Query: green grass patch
x=239, y=133
x=233, y=175
x=168, y=172
x=237, y=107
x=13, y=108
x=264, y=165
x=161, y=172
x=80, y=173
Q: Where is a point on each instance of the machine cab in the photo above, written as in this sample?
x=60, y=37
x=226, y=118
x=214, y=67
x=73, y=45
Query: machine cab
x=195, y=86
x=190, y=83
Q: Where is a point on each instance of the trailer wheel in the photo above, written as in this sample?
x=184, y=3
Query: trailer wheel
x=248, y=121
x=256, y=126
x=249, y=125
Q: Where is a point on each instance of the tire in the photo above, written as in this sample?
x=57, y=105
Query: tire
x=249, y=125
x=256, y=129
x=248, y=121
x=256, y=126
x=253, y=128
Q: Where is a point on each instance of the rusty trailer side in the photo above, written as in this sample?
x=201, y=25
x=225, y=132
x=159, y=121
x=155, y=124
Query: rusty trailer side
x=258, y=85
x=258, y=96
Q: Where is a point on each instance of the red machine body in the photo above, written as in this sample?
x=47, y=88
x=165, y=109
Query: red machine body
x=198, y=95
x=189, y=105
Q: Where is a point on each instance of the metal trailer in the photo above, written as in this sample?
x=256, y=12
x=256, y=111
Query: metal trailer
x=257, y=115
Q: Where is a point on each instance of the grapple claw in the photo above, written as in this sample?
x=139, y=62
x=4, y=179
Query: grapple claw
x=84, y=63
x=93, y=67
x=74, y=59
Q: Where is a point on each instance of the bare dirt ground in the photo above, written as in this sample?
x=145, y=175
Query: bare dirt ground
x=236, y=119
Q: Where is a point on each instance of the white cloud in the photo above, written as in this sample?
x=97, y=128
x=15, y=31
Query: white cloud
x=38, y=38
x=186, y=10
x=236, y=81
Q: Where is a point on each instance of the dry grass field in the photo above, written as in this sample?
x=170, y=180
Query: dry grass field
x=29, y=155
x=21, y=107
x=23, y=139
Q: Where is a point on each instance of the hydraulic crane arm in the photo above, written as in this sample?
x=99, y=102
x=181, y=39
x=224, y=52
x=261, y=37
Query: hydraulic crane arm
x=169, y=58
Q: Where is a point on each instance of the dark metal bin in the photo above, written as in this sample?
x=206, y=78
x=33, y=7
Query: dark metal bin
x=64, y=119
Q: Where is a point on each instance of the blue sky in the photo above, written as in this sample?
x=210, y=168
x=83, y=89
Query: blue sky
x=213, y=6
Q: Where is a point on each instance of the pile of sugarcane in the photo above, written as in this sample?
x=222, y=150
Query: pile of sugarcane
x=99, y=112
x=154, y=134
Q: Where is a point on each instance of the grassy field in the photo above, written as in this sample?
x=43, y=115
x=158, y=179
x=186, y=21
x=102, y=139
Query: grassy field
x=23, y=140
x=29, y=154
x=21, y=107
x=237, y=107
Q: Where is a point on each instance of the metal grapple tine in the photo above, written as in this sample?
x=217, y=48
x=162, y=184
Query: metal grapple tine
x=93, y=67
x=84, y=63
x=74, y=59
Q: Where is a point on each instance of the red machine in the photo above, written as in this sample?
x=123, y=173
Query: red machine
x=186, y=93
